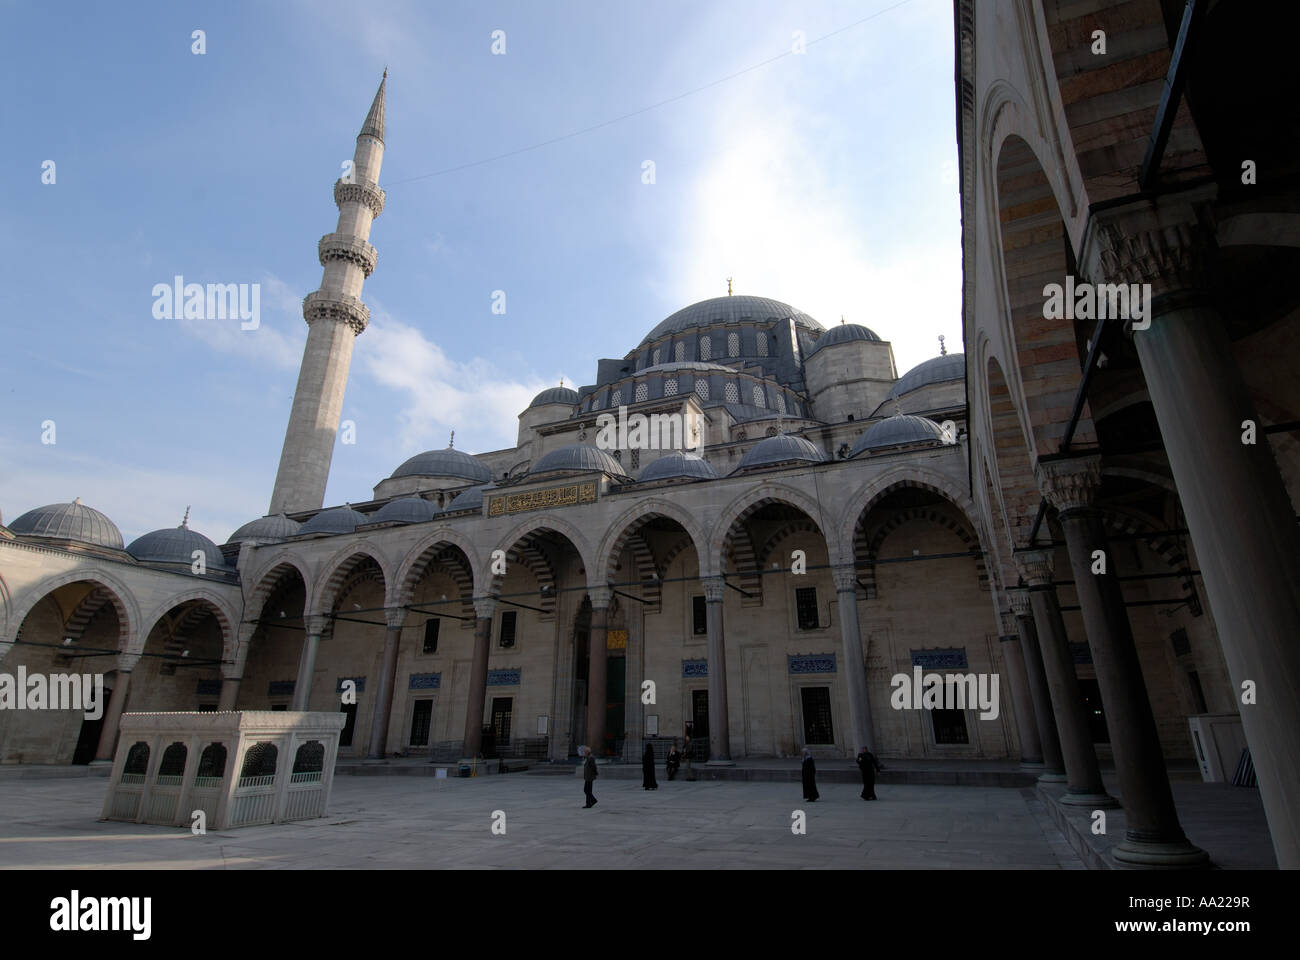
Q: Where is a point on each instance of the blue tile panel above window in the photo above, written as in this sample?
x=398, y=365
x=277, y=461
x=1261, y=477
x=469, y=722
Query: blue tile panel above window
x=940, y=658
x=359, y=681
x=425, y=681
x=695, y=668
x=503, y=678
x=811, y=663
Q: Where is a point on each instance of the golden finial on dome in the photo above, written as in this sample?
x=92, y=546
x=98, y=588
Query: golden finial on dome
x=728, y=286
x=943, y=351
x=451, y=441
x=185, y=521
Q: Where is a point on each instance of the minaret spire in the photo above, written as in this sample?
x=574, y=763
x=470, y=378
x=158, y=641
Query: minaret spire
x=335, y=317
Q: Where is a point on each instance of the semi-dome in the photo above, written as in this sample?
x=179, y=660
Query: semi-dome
x=471, y=499
x=404, y=510
x=578, y=456
x=334, y=520
x=943, y=369
x=444, y=463
x=783, y=448
x=730, y=310
x=679, y=465
x=555, y=395
x=69, y=521
x=844, y=333
x=175, y=545
x=896, y=431
x=275, y=527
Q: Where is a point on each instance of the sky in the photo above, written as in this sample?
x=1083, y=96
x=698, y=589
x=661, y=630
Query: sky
x=824, y=178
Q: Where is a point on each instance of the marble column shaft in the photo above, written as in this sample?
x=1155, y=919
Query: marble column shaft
x=1031, y=749
x=116, y=704
x=597, y=668
x=387, y=685
x=855, y=671
x=1039, y=691
x=484, y=608
x=719, y=726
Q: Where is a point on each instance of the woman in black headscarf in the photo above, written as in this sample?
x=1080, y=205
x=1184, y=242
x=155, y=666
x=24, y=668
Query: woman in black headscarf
x=809, y=777
x=648, y=781
x=868, y=764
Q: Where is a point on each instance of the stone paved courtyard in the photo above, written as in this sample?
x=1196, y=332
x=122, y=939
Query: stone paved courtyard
x=400, y=822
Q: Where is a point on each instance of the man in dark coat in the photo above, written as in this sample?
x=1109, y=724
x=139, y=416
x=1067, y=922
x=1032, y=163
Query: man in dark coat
x=809, y=777
x=673, y=762
x=588, y=776
x=868, y=764
x=648, y=781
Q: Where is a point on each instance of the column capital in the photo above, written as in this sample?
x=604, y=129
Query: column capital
x=715, y=588
x=1070, y=484
x=126, y=662
x=395, y=617
x=1160, y=242
x=485, y=607
x=846, y=578
x=1008, y=622
x=1018, y=597
x=600, y=596
x=316, y=624
x=1035, y=566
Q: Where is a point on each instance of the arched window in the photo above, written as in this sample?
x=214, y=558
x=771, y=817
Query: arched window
x=759, y=399
x=780, y=403
x=636, y=459
x=762, y=344
x=702, y=389
x=259, y=765
x=733, y=344
x=679, y=352
x=657, y=355
x=172, y=766
x=308, y=762
x=617, y=399
x=770, y=432
x=212, y=765
x=598, y=401
x=732, y=392
x=642, y=392
x=670, y=387
x=137, y=763
x=706, y=348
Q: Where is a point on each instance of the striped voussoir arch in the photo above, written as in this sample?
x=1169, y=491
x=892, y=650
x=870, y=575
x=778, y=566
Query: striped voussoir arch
x=678, y=547
x=91, y=605
x=1164, y=545
x=774, y=541
x=867, y=544
x=535, y=560
x=181, y=628
x=744, y=563
x=647, y=572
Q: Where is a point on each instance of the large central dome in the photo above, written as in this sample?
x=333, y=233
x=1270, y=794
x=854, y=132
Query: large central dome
x=731, y=310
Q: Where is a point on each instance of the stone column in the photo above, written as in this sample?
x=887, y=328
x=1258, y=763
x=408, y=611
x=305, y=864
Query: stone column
x=1241, y=518
x=116, y=703
x=855, y=667
x=1153, y=836
x=5, y=647
x=598, y=668
x=715, y=589
x=394, y=616
x=232, y=673
x=484, y=608
x=316, y=625
x=1083, y=775
x=1039, y=692
x=1031, y=750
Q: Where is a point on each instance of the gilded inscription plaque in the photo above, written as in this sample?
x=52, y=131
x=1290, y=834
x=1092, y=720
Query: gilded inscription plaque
x=568, y=496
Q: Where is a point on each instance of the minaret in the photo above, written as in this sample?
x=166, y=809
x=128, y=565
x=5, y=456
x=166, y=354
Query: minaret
x=335, y=316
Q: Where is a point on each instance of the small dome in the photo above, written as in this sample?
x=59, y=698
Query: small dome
x=679, y=465
x=935, y=370
x=69, y=521
x=578, y=456
x=730, y=310
x=266, y=528
x=444, y=463
x=334, y=520
x=844, y=333
x=782, y=448
x=555, y=395
x=175, y=545
x=897, y=431
x=471, y=499
x=404, y=510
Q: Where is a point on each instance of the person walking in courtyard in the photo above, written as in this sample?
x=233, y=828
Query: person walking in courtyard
x=687, y=752
x=868, y=764
x=648, y=781
x=809, y=777
x=673, y=762
x=588, y=776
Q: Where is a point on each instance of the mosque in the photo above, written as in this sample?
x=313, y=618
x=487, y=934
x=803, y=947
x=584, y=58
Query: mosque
x=827, y=525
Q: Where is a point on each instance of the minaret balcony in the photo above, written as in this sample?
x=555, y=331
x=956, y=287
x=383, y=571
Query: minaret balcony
x=336, y=307
x=350, y=249
x=361, y=191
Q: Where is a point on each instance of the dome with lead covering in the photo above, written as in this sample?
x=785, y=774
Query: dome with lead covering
x=471, y=499
x=555, y=395
x=844, y=333
x=404, y=510
x=897, y=431
x=943, y=369
x=578, y=457
x=444, y=463
x=334, y=520
x=275, y=527
x=731, y=310
x=175, y=545
x=69, y=521
x=679, y=465
x=783, y=448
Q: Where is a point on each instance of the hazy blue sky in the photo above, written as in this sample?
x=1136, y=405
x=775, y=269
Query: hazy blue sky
x=825, y=179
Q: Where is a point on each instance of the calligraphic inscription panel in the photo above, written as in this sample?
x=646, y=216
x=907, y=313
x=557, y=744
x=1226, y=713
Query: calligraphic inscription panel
x=568, y=496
